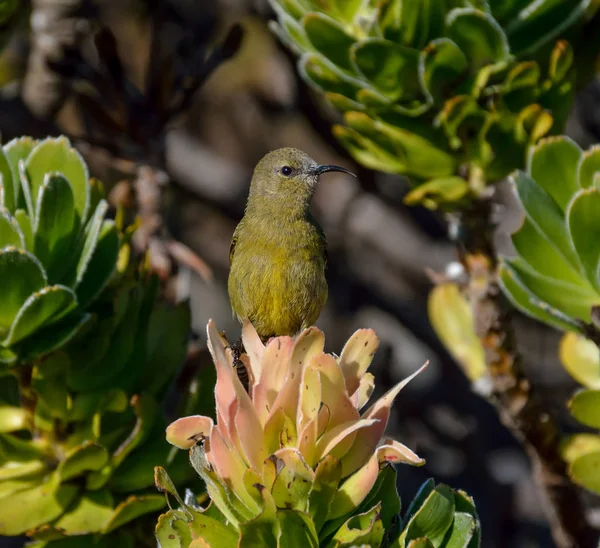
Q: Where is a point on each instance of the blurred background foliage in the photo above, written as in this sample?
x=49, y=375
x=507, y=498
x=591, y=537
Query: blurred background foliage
x=182, y=160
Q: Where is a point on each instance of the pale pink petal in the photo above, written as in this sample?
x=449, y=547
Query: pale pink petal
x=229, y=466
x=307, y=441
x=335, y=441
x=280, y=431
x=323, y=420
x=187, y=431
x=365, y=389
x=254, y=348
x=310, y=397
x=250, y=431
x=394, y=451
x=243, y=426
x=357, y=355
x=224, y=390
x=367, y=440
x=277, y=355
x=308, y=344
x=354, y=490
x=333, y=390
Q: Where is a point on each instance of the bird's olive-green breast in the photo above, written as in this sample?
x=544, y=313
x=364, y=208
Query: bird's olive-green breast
x=278, y=251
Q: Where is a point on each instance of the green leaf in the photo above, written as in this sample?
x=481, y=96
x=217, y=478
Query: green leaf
x=293, y=482
x=48, y=381
x=412, y=22
x=584, y=228
x=172, y=531
x=581, y=358
x=461, y=119
x=290, y=32
x=136, y=471
x=523, y=75
x=446, y=190
x=585, y=407
x=385, y=494
x=441, y=65
x=101, y=265
x=81, y=459
x=112, y=348
x=145, y=409
x=22, y=275
x=574, y=301
x=545, y=215
x=430, y=515
x=16, y=150
x=368, y=153
x=323, y=75
x=10, y=232
x=87, y=404
x=263, y=529
x=33, y=507
x=56, y=229
x=24, y=221
x=10, y=486
x=296, y=530
x=420, y=543
x=131, y=508
x=586, y=471
x=44, y=307
x=92, y=233
x=451, y=317
x=295, y=8
x=27, y=201
x=329, y=38
x=13, y=469
x=542, y=256
x=89, y=514
x=540, y=22
x=421, y=156
x=57, y=155
x=166, y=354
x=561, y=61
x=54, y=336
x=391, y=68
x=522, y=298
x=211, y=530
x=13, y=419
x=478, y=35
x=361, y=529
x=461, y=532
x=7, y=186
x=464, y=504
x=577, y=445
x=589, y=166
x=553, y=165
x=325, y=484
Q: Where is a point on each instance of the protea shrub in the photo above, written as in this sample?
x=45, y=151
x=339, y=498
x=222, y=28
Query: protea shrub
x=295, y=460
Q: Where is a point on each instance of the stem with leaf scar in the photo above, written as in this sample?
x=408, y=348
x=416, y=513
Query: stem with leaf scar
x=519, y=407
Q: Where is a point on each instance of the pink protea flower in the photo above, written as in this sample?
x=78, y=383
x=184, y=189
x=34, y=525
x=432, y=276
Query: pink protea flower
x=297, y=436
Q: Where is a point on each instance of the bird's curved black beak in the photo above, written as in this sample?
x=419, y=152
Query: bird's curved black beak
x=325, y=168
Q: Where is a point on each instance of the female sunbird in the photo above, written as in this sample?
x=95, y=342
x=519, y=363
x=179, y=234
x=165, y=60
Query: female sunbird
x=278, y=251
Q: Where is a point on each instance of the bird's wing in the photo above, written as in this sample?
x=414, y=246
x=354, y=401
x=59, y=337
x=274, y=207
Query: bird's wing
x=234, y=240
x=324, y=242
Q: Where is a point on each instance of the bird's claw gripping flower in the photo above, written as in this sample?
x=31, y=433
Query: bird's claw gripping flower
x=298, y=427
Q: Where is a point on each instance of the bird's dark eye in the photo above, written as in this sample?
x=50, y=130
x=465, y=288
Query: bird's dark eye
x=286, y=171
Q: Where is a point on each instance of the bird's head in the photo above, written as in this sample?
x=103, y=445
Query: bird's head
x=290, y=174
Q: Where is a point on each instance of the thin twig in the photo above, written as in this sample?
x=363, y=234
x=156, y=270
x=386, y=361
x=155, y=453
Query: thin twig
x=518, y=405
